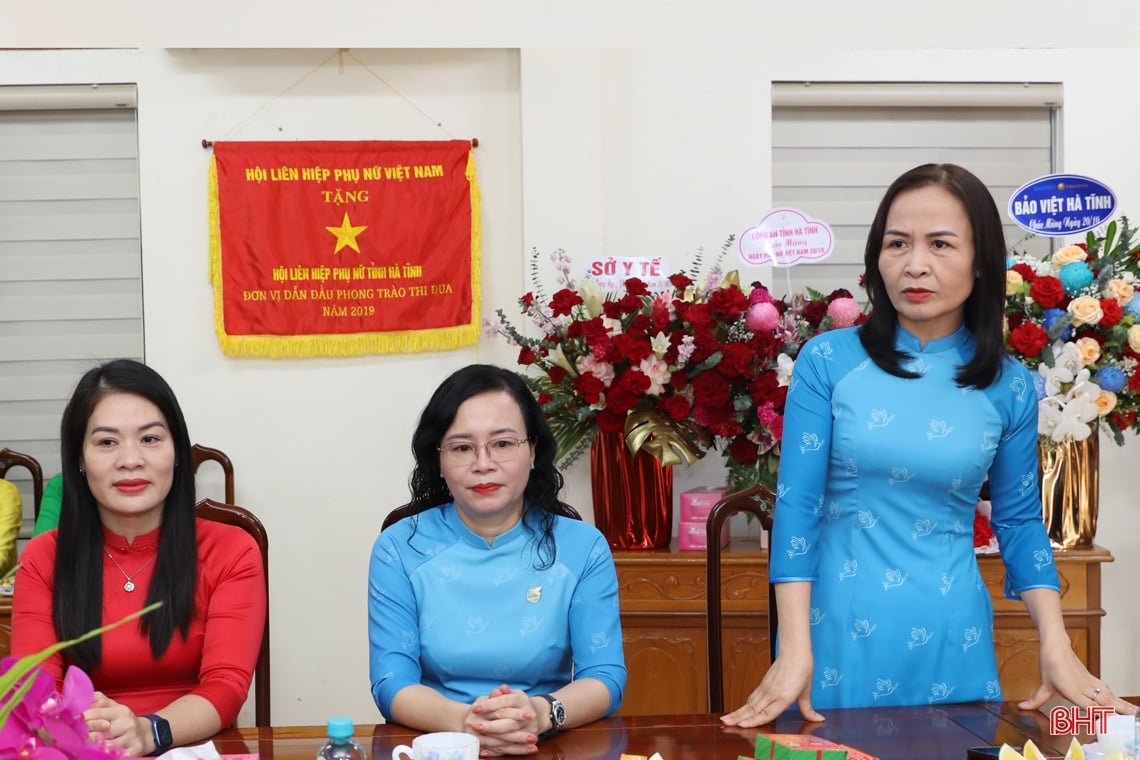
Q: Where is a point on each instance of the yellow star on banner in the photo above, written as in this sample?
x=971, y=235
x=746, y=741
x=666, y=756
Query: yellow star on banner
x=346, y=234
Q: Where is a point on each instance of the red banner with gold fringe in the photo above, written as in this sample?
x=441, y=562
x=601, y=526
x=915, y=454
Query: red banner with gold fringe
x=344, y=248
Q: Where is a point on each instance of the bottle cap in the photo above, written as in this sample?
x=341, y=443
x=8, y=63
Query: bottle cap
x=340, y=728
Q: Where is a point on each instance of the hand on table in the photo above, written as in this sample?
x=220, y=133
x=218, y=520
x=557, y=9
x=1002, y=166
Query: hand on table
x=117, y=723
x=1064, y=675
x=505, y=722
x=787, y=681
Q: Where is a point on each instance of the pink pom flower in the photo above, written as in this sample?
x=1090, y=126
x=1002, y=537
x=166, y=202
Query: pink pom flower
x=759, y=294
x=843, y=312
x=762, y=317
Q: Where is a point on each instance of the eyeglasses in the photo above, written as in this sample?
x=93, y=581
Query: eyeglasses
x=465, y=453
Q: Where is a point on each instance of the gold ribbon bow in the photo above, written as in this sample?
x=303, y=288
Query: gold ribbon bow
x=669, y=441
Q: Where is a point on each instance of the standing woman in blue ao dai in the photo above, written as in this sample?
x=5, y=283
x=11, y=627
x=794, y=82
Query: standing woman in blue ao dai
x=493, y=609
x=891, y=429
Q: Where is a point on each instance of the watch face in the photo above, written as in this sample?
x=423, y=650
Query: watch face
x=557, y=714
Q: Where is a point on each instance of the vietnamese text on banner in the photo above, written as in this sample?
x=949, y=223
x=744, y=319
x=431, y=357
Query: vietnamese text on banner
x=344, y=248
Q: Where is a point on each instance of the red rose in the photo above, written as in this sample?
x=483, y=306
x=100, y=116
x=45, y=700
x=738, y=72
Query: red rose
x=680, y=281
x=1047, y=291
x=589, y=387
x=629, y=304
x=728, y=303
x=736, y=360
x=563, y=301
x=1026, y=272
x=557, y=374
x=1122, y=420
x=544, y=399
x=526, y=355
x=636, y=287
x=677, y=407
x=744, y=451
x=632, y=348
x=1028, y=339
x=1112, y=311
x=814, y=312
x=527, y=301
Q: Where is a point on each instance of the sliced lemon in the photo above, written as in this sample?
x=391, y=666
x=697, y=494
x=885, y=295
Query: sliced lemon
x=1031, y=752
x=1009, y=753
x=1076, y=751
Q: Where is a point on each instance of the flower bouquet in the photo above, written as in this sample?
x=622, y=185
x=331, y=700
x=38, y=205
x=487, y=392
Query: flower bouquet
x=702, y=365
x=626, y=362
x=747, y=412
x=1073, y=318
x=37, y=721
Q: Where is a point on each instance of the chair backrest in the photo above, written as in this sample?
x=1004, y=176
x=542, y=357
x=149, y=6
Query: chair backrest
x=759, y=501
x=231, y=514
x=200, y=454
x=9, y=458
x=397, y=514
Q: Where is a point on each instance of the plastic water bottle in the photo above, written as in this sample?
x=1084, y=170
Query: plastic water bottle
x=340, y=744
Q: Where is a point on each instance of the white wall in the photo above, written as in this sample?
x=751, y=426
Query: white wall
x=630, y=151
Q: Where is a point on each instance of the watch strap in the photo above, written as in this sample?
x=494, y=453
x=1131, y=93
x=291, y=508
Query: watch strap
x=557, y=716
x=163, y=740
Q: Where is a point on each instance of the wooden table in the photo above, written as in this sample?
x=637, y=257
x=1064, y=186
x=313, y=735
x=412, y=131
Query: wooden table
x=662, y=597
x=897, y=733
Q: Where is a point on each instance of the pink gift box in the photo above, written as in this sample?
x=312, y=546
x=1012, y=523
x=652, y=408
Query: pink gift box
x=696, y=503
x=693, y=537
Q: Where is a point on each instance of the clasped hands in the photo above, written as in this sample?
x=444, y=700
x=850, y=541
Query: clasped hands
x=117, y=723
x=506, y=722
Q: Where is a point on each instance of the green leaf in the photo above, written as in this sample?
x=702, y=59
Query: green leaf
x=26, y=664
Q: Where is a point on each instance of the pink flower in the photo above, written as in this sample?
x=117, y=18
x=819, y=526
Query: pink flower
x=762, y=317
x=602, y=370
x=759, y=294
x=49, y=725
x=843, y=312
x=658, y=373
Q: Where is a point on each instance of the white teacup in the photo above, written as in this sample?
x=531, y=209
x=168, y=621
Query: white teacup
x=443, y=745
x=1117, y=731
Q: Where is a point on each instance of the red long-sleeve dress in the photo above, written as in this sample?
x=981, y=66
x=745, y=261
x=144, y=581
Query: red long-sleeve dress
x=215, y=661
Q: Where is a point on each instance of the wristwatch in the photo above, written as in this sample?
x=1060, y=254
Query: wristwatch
x=162, y=738
x=557, y=716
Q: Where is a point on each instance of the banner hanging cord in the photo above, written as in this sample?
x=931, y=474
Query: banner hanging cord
x=339, y=55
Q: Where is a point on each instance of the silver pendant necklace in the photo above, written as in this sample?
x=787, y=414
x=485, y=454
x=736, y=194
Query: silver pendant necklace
x=129, y=586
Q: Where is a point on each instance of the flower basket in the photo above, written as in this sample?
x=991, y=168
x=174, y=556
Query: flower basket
x=633, y=494
x=1073, y=318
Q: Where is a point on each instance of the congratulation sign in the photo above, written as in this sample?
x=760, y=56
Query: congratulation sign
x=344, y=248
x=1061, y=204
x=786, y=236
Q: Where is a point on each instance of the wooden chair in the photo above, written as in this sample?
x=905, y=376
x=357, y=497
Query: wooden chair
x=9, y=458
x=201, y=454
x=759, y=501
x=231, y=514
x=397, y=514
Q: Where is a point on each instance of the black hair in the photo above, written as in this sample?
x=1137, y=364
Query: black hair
x=77, y=592
x=984, y=308
x=541, y=495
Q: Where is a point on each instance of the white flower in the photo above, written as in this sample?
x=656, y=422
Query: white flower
x=660, y=344
x=592, y=297
x=1070, y=402
x=784, y=364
